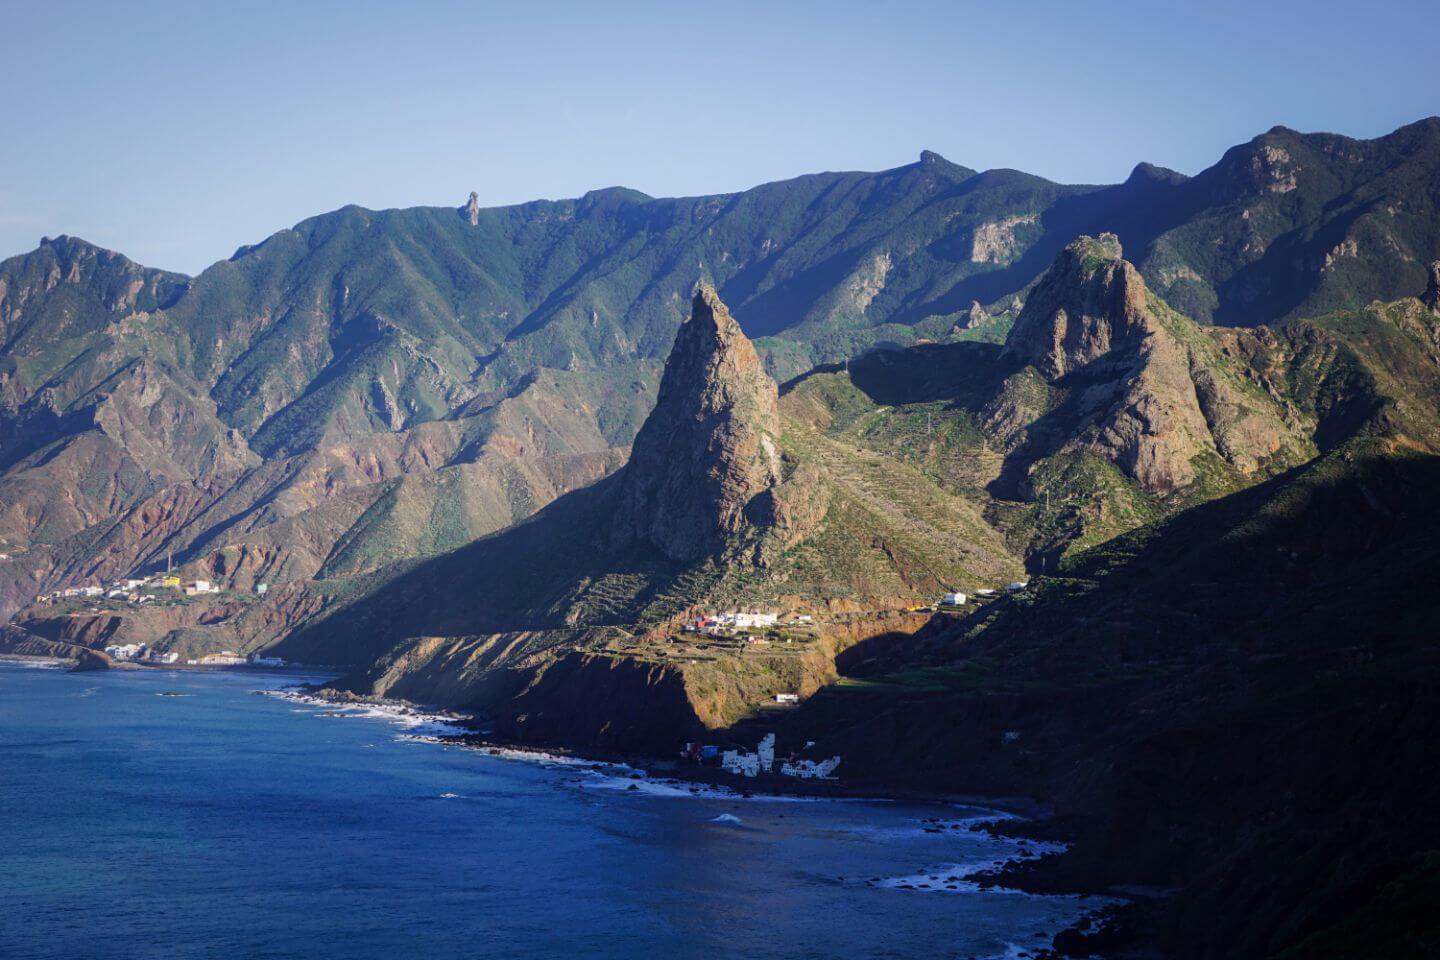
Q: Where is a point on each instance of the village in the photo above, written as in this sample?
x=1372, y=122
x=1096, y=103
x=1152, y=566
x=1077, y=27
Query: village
x=752, y=764
x=141, y=653
x=716, y=635
x=138, y=591
x=157, y=590
x=738, y=632
x=735, y=631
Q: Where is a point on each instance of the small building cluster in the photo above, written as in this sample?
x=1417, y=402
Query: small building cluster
x=140, y=653
x=729, y=623
x=224, y=658
x=138, y=590
x=957, y=599
x=746, y=763
x=810, y=769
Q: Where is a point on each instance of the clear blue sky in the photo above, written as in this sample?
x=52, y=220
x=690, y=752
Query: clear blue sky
x=174, y=132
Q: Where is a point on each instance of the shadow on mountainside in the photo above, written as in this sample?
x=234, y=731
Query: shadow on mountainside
x=552, y=571
x=1238, y=703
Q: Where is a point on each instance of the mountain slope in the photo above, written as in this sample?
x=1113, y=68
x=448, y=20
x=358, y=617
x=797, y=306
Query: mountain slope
x=725, y=503
x=1103, y=410
x=339, y=339
x=1230, y=705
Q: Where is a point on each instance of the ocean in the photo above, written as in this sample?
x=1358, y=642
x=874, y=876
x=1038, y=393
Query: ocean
x=150, y=814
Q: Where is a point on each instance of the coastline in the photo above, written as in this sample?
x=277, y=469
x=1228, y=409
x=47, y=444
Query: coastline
x=1012, y=818
x=1016, y=821
x=469, y=733
x=37, y=662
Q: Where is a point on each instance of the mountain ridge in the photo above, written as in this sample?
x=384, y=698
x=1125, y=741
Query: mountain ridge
x=538, y=332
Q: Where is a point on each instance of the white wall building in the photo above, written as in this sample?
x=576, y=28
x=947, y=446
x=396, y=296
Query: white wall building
x=810, y=769
x=125, y=651
x=743, y=621
x=748, y=764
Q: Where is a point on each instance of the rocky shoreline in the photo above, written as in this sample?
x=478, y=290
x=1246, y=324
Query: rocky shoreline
x=1014, y=817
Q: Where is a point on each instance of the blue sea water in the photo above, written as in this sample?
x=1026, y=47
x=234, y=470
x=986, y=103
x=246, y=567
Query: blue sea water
x=221, y=824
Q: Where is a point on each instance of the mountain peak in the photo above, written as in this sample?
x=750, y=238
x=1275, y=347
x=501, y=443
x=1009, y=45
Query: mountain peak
x=1146, y=172
x=1090, y=299
x=707, y=460
x=1152, y=397
x=109, y=281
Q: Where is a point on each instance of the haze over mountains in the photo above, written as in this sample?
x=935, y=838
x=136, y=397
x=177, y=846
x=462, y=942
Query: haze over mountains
x=494, y=458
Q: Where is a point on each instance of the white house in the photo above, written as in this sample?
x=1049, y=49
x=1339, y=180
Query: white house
x=1018, y=585
x=742, y=621
x=810, y=769
x=125, y=651
x=751, y=764
x=953, y=600
x=740, y=762
x=787, y=698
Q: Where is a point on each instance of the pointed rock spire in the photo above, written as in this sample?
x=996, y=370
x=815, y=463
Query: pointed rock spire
x=707, y=460
x=1431, y=296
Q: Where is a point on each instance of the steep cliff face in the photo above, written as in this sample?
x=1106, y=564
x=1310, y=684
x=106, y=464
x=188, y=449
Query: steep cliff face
x=1431, y=296
x=1088, y=304
x=706, y=467
x=1147, y=390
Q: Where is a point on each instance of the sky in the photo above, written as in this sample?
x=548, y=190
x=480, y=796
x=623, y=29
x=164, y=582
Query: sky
x=177, y=132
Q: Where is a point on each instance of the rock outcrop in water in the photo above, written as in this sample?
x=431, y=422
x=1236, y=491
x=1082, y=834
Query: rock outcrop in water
x=706, y=465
